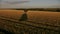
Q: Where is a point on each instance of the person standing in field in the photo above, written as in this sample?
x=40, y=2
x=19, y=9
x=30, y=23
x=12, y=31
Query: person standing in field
x=24, y=16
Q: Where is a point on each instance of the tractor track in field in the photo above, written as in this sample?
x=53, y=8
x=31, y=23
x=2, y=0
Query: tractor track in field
x=13, y=24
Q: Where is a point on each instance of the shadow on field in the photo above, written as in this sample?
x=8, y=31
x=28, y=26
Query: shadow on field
x=24, y=17
x=3, y=31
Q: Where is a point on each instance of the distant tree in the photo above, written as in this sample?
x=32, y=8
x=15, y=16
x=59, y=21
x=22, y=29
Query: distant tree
x=41, y=9
x=58, y=10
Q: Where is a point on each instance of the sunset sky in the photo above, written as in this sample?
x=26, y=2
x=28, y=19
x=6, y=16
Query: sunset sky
x=30, y=4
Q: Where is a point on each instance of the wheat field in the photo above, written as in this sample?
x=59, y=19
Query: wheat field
x=36, y=17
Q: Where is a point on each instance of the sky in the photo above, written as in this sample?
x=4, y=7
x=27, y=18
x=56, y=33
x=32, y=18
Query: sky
x=30, y=4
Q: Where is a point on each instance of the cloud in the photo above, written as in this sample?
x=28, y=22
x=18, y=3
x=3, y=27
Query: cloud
x=12, y=3
x=17, y=2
